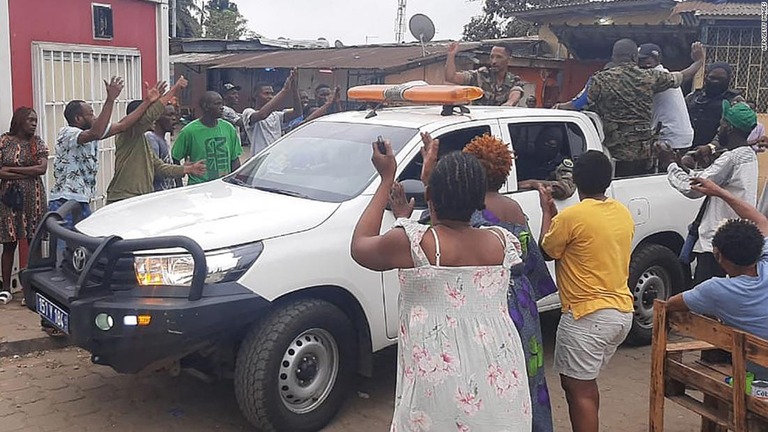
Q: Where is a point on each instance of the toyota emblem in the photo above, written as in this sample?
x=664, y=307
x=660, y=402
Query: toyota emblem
x=79, y=257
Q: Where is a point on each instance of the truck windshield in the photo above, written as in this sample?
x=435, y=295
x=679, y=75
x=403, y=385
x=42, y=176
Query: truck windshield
x=323, y=161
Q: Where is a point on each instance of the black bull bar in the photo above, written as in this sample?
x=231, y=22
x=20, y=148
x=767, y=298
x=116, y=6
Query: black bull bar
x=53, y=228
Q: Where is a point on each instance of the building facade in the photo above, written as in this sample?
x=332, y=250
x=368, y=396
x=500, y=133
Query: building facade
x=54, y=51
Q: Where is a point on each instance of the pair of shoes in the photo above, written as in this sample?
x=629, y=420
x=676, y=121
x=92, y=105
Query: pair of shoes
x=23, y=301
x=5, y=297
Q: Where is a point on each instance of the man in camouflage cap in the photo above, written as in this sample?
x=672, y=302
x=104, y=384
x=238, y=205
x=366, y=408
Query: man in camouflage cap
x=623, y=98
x=501, y=87
x=544, y=164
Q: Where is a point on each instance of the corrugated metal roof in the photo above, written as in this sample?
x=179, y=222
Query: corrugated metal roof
x=379, y=57
x=708, y=9
x=199, y=58
x=363, y=57
x=557, y=8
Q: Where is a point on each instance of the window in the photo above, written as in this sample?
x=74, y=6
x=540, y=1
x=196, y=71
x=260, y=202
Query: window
x=103, y=25
x=540, y=147
x=449, y=142
x=62, y=73
x=323, y=161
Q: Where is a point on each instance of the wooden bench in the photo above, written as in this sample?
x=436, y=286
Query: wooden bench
x=698, y=382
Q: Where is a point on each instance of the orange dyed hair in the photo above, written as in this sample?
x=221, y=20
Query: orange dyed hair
x=494, y=156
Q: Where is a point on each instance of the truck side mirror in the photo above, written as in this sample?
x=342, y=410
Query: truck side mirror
x=415, y=189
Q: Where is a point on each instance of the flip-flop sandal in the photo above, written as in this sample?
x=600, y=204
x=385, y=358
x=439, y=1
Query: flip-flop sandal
x=5, y=297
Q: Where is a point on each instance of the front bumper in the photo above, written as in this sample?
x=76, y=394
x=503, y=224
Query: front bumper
x=183, y=319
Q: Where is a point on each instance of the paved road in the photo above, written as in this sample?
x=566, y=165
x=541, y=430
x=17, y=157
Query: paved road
x=62, y=391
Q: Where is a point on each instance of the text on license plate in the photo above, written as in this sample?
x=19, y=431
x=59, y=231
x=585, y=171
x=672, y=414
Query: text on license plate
x=52, y=313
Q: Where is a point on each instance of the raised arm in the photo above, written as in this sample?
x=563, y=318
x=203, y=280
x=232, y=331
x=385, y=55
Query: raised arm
x=272, y=105
x=369, y=248
x=742, y=208
x=297, y=108
x=323, y=110
x=99, y=128
x=153, y=94
x=451, y=75
x=177, y=88
x=697, y=55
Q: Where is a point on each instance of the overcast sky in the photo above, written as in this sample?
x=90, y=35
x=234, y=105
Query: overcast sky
x=352, y=20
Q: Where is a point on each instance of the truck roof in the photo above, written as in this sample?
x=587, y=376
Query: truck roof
x=420, y=116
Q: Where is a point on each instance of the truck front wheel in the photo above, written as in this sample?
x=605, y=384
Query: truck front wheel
x=654, y=272
x=294, y=367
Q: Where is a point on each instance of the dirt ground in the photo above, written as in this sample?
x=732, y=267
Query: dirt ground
x=62, y=391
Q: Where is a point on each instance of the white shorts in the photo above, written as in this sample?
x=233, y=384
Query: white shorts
x=584, y=347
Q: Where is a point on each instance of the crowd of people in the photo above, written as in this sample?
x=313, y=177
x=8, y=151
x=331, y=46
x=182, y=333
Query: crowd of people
x=471, y=271
x=467, y=345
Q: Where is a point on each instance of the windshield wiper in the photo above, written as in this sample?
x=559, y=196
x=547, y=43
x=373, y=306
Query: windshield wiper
x=236, y=181
x=283, y=192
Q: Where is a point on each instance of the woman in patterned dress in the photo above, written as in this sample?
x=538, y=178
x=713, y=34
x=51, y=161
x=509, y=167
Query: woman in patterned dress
x=23, y=162
x=531, y=280
x=461, y=365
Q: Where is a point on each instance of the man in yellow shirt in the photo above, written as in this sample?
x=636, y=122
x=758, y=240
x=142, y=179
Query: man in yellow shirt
x=592, y=243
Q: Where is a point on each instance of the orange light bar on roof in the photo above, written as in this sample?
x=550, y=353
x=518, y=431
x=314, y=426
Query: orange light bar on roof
x=421, y=93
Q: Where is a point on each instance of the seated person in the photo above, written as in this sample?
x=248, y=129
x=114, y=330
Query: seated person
x=741, y=249
x=543, y=163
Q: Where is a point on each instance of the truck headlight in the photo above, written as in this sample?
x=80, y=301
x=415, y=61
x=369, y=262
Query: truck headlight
x=224, y=265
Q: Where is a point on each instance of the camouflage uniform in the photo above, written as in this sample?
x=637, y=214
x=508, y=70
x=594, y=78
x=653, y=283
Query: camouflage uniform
x=495, y=94
x=623, y=98
x=561, y=180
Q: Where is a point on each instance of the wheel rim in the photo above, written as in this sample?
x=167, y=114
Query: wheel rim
x=308, y=371
x=653, y=283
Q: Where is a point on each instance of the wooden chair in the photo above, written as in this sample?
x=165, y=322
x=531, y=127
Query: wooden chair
x=677, y=373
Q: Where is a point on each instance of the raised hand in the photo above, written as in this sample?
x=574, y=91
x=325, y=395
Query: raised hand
x=697, y=51
x=154, y=93
x=114, y=87
x=545, y=199
x=384, y=163
x=181, y=82
x=429, y=153
x=399, y=203
x=453, y=48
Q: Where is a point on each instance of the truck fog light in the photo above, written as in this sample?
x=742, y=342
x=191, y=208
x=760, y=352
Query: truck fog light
x=130, y=320
x=104, y=322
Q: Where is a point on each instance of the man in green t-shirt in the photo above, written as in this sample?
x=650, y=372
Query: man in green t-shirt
x=209, y=138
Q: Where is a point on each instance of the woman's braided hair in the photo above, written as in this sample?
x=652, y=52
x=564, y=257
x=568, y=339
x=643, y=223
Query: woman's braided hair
x=457, y=187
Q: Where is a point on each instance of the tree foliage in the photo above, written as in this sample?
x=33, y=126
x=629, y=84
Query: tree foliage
x=215, y=19
x=498, y=20
x=187, y=23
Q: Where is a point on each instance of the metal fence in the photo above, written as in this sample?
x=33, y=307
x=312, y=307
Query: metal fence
x=739, y=46
x=63, y=72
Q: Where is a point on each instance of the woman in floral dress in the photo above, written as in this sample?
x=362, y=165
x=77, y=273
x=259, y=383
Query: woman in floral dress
x=23, y=162
x=531, y=280
x=461, y=365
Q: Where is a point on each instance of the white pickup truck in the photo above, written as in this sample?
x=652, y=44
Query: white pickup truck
x=251, y=276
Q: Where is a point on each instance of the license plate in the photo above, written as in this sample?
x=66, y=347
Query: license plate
x=54, y=314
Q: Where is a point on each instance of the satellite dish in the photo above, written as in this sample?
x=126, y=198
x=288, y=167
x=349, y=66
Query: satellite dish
x=338, y=44
x=422, y=28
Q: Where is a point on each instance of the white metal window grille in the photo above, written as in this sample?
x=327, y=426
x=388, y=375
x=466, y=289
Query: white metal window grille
x=739, y=46
x=63, y=72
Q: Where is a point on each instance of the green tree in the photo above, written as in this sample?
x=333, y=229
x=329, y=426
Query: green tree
x=498, y=20
x=224, y=21
x=187, y=23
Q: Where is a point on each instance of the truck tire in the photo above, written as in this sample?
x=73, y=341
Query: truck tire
x=293, y=368
x=654, y=272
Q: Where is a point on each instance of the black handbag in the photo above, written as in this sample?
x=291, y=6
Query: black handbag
x=13, y=197
x=686, y=253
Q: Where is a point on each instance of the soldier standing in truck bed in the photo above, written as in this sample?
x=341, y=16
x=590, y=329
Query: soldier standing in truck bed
x=623, y=98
